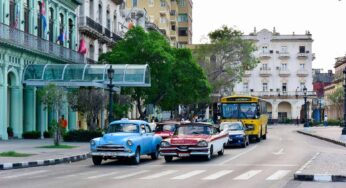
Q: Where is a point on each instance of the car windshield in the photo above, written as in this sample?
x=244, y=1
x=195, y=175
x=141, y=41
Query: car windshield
x=123, y=127
x=165, y=127
x=239, y=111
x=231, y=127
x=193, y=130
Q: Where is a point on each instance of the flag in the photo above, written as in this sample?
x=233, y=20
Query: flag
x=82, y=47
x=43, y=16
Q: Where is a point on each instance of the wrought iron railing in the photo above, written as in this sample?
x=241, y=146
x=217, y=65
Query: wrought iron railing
x=108, y=33
x=15, y=37
x=92, y=24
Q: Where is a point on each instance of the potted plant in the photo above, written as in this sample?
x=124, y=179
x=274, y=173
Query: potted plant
x=10, y=132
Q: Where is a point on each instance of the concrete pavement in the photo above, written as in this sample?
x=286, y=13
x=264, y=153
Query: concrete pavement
x=41, y=156
x=270, y=163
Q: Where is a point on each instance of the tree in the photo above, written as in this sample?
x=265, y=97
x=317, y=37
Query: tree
x=90, y=102
x=226, y=58
x=53, y=97
x=337, y=100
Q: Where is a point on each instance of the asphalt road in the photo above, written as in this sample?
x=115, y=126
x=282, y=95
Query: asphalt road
x=268, y=164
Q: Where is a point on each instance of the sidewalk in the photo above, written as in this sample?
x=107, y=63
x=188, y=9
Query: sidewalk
x=324, y=167
x=41, y=156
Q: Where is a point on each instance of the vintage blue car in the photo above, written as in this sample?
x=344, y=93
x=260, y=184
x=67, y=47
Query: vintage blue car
x=125, y=139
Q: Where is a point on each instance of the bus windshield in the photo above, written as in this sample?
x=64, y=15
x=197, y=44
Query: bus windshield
x=239, y=111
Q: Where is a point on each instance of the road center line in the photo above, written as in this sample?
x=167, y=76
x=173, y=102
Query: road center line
x=102, y=175
x=240, y=154
x=247, y=175
x=164, y=173
x=188, y=175
x=217, y=175
x=278, y=175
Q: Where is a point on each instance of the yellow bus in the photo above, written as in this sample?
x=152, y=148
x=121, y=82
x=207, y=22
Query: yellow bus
x=252, y=111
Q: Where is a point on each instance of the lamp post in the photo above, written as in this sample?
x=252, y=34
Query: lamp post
x=306, y=123
x=344, y=129
x=110, y=74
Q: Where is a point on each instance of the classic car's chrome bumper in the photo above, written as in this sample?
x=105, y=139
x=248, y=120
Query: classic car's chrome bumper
x=179, y=152
x=112, y=154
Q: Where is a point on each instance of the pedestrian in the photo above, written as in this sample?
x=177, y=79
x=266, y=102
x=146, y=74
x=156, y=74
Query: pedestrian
x=297, y=121
x=63, y=122
x=325, y=120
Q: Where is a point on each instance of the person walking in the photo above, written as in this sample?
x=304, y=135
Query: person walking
x=297, y=121
x=325, y=120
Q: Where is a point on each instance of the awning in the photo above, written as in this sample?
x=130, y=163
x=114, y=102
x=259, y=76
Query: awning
x=78, y=75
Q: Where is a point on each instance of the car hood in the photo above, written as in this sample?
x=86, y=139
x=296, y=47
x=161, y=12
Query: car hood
x=117, y=138
x=188, y=139
x=236, y=132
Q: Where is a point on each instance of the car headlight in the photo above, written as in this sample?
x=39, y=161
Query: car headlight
x=129, y=142
x=165, y=144
x=92, y=142
x=202, y=143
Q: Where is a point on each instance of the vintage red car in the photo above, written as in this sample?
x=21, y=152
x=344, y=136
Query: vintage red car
x=166, y=129
x=194, y=139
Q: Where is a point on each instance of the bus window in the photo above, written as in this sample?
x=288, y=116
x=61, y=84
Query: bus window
x=229, y=110
x=248, y=110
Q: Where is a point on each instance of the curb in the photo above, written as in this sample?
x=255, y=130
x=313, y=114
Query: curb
x=8, y=166
x=324, y=138
x=320, y=177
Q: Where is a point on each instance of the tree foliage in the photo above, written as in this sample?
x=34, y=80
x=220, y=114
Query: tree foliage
x=337, y=100
x=226, y=58
x=167, y=67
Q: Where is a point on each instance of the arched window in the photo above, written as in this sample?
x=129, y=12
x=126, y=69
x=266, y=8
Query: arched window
x=91, y=51
x=70, y=33
x=91, y=9
x=61, y=29
x=99, y=14
x=108, y=19
x=26, y=16
x=39, y=20
x=51, y=24
x=12, y=13
x=115, y=22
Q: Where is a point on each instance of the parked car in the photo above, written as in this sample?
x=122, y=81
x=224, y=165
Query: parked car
x=236, y=132
x=125, y=139
x=166, y=129
x=194, y=139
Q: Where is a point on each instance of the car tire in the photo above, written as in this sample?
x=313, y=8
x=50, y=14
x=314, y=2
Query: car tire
x=222, y=151
x=244, y=143
x=168, y=159
x=135, y=160
x=97, y=160
x=208, y=157
x=247, y=140
x=156, y=154
x=264, y=137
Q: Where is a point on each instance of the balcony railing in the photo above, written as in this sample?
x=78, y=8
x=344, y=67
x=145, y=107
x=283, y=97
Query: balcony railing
x=265, y=94
x=284, y=72
x=20, y=39
x=91, y=61
x=96, y=26
x=265, y=55
x=302, y=72
x=303, y=55
x=265, y=72
x=108, y=33
x=284, y=55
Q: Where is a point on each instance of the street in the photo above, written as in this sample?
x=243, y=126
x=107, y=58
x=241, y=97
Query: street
x=270, y=163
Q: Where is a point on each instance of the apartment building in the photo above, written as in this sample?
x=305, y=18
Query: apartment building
x=285, y=68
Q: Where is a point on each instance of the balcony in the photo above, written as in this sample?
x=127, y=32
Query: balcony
x=247, y=73
x=278, y=94
x=265, y=72
x=303, y=55
x=302, y=72
x=284, y=55
x=284, y=72
x=39, y=46
x=265, y=55
x=94, y=30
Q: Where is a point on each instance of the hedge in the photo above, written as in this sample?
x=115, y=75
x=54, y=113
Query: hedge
x=81, y=135
x=35, y=134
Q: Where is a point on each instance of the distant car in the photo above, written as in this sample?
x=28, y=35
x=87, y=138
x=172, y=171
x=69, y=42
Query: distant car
x=125, y=139
x=166, y=129
x=236, y=132
x=194, y=139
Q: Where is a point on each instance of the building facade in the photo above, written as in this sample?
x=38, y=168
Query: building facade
x=285, y=68
x=33, y=32
x=172, y=17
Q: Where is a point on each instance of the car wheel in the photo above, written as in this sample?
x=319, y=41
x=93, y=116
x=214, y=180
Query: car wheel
x=168, y=159
x=210, y=155
x=155, y=155
x=222, y=151
x=97, y=160
x=243, y=145
x=247, y=140
x=137, y=158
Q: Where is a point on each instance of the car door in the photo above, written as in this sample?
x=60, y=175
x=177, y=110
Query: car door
x=150, y=137
x=145, y=146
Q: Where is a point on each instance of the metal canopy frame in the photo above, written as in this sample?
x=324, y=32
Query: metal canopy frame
x=84, y=75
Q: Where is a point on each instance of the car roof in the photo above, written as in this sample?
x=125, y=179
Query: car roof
x=197, y=124
x=168, y=122
x=129, y=121
x=231, y=122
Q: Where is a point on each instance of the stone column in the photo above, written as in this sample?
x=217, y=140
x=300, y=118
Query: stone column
x=275, y=111
x=4, y=103
x=29, y=109
x=16, y=111
x=72, y=119
x=41, y=117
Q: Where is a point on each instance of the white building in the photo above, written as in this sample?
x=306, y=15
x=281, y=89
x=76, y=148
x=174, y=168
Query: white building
x=285, y=68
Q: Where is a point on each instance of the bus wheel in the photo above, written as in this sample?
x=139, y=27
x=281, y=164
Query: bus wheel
x=258, y=138
x=264, y=136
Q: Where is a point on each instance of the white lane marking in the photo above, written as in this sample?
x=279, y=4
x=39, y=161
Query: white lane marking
x=188, y=175
x=240, y=154
x=308, y=163
x=270, y=165
x=76, y=174
x=278, y=175
x=247, y=175
x=101, y=175
x=26, y=174
x=130, y=175
x=280, y=152
x=217, y=175
x=163, y=173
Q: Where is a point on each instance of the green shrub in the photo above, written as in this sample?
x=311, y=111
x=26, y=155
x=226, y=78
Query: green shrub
x=31, y=135
x=47, y=134
x=9, y=131
x=81, y=135
x=335, y=122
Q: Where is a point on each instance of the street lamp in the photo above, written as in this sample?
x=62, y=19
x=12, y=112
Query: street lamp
x=110, y=74
x=344, y=129
x=306, y=123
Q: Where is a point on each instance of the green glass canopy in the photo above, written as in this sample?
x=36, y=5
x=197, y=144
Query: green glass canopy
x=77, y=75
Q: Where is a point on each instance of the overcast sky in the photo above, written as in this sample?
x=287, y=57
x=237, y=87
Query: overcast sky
x=325, y=19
